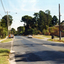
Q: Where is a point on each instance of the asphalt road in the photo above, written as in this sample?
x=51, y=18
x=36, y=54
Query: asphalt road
x=36, y=51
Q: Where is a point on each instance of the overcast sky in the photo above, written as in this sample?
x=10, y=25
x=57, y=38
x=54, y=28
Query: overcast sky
x=29, y=7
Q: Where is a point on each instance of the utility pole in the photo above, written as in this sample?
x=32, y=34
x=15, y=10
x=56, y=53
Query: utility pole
x=59, y=24
x=7, y=22
x=0, y=20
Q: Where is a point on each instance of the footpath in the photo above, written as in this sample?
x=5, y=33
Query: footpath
x=8, y=45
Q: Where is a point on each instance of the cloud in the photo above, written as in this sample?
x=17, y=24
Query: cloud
x=23, y=5
x=29, y=5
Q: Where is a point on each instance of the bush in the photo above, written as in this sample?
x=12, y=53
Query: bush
x=54, y=30
x=62, y=30
x=39, y=32
x=44, y=31
x=3, y=35
x=47, y=32
x=35, y=31
x=47, y=27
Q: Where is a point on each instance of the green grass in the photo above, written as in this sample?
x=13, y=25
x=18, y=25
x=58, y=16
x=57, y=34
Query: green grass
x=4, y=56
x=62, y=39
x=56, y=40
x=7, y=40
x=46, y=36
x=38, y=36
x=41, y=36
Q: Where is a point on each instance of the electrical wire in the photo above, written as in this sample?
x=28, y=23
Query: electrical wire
x=0, y=15
x=3, y=6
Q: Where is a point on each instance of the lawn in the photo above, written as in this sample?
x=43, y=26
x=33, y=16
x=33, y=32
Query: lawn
x=4, y=56
x=56, y=39
x=41, y=36
x=38, y=36
x=7, y=40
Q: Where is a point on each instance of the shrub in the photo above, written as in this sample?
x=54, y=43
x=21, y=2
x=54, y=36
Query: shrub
x=35, y=31
x=47, y=27
x=44, y=31
x=39, y=32
x=62, y=30
x=47, y=32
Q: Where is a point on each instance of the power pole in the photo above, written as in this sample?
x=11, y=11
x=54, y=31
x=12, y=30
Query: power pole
x=0, y=20
x=7, y=22
x=59, y=24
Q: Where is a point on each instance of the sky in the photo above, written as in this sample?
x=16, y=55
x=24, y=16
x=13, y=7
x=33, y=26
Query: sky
x=19, y=8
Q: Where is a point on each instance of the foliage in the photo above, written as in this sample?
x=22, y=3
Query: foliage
x=5, y=22
x=47, y=32
x=62, y=30
x=35, y=31
x=39, y=23
x=44, y=31
x=53, y=30
x=4, y=25
x=47, y=12
x=13, y=31
x=20, y=30
x=3, y=32
x=54, y=20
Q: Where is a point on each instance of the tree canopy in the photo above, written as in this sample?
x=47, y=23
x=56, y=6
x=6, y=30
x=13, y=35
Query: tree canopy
x=5, y=21
x=41, y=20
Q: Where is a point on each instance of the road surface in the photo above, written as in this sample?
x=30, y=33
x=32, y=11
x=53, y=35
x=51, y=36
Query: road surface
x=36, y=51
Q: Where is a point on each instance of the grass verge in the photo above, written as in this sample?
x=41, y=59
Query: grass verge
x=7, y=40
x=38, y=36
x=56, y=40
x=41, y=36
x=4, y=56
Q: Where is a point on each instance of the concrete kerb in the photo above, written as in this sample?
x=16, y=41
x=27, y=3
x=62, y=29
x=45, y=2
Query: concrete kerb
x=11, y=58
x=12, y=54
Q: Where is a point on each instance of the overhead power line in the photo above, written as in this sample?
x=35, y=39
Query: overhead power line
x=0, y=15
x=3, y=6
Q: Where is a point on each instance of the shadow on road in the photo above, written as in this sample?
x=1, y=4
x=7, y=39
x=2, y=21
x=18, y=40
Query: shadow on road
x=55, y=56
x=54, y=44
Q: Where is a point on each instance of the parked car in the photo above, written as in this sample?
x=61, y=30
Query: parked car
x=11, y=36
x=29, y=36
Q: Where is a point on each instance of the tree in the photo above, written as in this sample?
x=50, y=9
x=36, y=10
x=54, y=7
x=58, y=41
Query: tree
x=13, y=31
x=36, y=17
x=63, y=21
x=29, y=21
x=40, y=21
x=54, y=20
x=4, y=20
x=47, y=12
x=21, y=29
x=49, y=17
